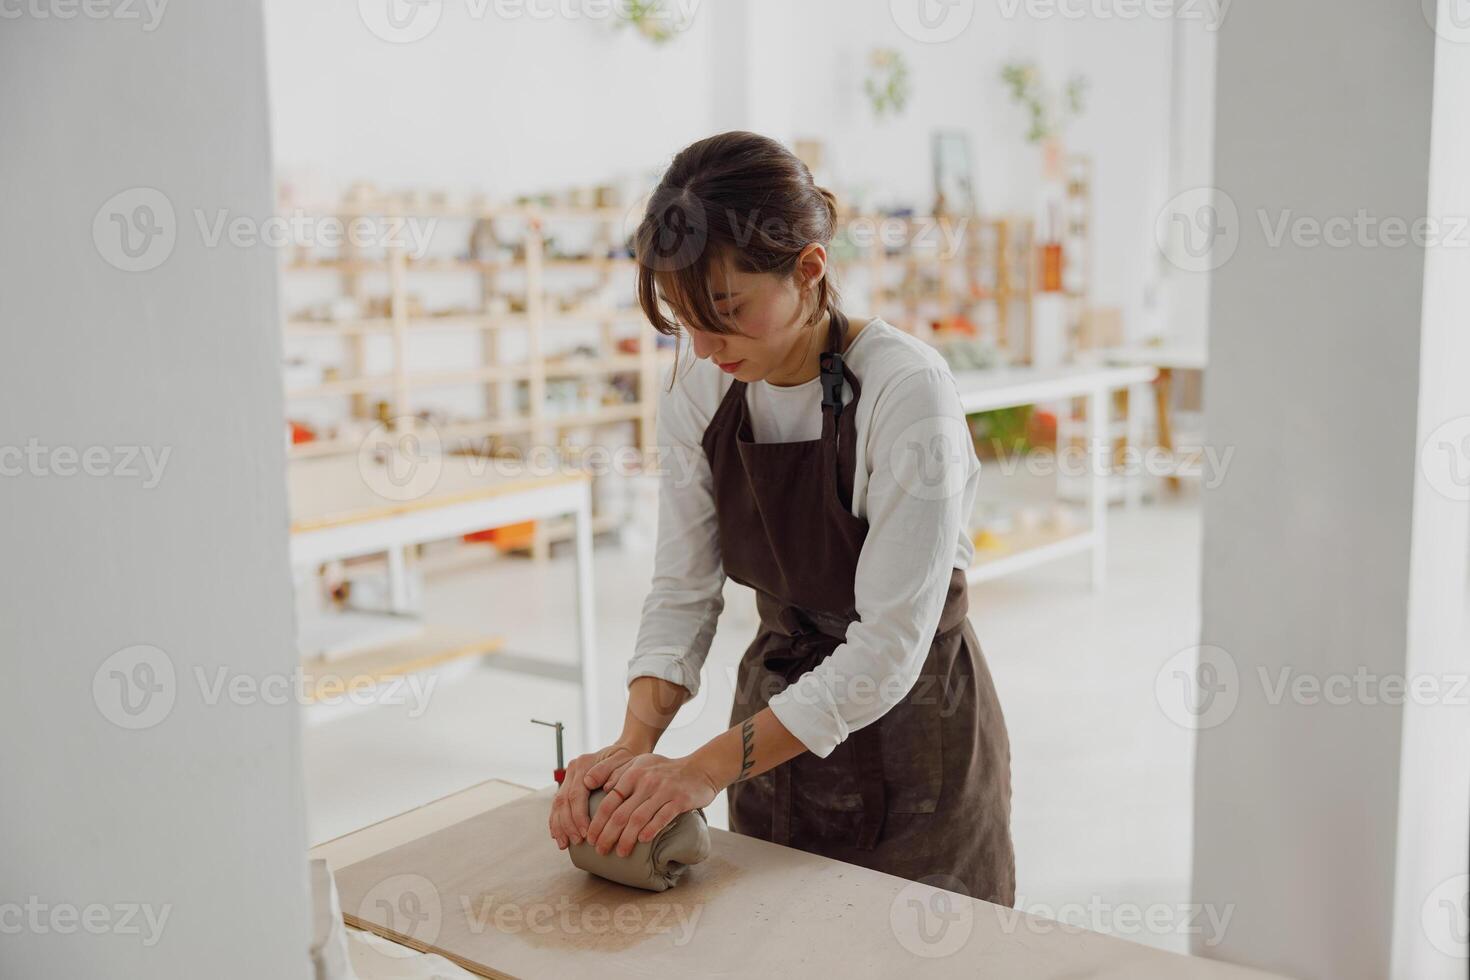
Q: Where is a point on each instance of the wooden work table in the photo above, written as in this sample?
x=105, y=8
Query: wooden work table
x=475, y=877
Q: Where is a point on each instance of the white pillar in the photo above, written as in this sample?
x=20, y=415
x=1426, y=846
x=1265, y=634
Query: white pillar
x=1323, y=559
x=151, y=797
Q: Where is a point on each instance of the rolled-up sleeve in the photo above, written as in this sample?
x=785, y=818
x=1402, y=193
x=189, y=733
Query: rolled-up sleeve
x=920, y=488
x=687, y=592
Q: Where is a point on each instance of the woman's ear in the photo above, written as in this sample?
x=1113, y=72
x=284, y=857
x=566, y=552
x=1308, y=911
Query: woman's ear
x=811, y=265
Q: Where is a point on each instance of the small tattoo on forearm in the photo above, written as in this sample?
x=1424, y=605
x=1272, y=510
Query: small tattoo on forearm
x=747, y=749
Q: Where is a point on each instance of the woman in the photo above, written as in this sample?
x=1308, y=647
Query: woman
x=825, y=464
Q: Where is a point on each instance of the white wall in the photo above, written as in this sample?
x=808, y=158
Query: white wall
x=957, y=86
x=520, y=104
x=1186, y=306
x=1317, y=381
x=192, y=823
x=480, y=102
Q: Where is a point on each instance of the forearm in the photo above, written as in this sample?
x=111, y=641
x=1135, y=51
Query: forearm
x=759, y=743
x=652, y=704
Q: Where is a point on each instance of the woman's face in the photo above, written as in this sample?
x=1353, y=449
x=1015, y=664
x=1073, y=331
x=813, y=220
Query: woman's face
x=769, y=312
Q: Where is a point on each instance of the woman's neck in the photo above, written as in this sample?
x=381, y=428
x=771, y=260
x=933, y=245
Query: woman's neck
x=804, y=364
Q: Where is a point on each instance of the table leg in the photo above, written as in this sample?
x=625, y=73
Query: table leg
x=398, y=599
x=1162, y=395
x=586, y=640
x=1099, y=450
x=1137, y=397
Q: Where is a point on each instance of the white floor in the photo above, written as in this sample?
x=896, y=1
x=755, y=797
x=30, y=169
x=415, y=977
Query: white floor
x=1102, y=779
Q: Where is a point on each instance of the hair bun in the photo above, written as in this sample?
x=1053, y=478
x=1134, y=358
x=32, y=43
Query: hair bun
x=831, y=200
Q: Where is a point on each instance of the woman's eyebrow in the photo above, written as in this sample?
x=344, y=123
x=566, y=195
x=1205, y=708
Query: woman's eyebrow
x=731, y=295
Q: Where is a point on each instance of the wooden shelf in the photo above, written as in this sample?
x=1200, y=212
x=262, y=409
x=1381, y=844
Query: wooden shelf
x=345, y=386
x=611, y=413
x=329, y=679
x=1021, y=548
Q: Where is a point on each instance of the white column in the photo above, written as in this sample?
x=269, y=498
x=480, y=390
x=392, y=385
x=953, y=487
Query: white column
x=151, y=773
x=1430, y=935
x=1322, y=558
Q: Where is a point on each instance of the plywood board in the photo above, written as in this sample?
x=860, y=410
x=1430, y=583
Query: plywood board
x=433, y=647
x=446, y=811
x=494, y=894
x=335, y=491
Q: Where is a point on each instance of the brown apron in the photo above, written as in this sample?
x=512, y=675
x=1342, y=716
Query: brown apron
x=924, y=792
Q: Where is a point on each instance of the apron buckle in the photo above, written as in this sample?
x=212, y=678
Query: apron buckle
x=831, y=366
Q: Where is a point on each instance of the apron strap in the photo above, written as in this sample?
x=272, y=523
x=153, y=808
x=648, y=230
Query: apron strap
x=839, y=441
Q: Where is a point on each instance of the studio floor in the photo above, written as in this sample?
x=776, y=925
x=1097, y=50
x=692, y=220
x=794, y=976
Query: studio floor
x=1101, y=778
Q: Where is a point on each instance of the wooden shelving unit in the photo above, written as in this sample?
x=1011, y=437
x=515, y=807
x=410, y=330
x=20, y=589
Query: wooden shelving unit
x=989, y=278
x=521, y=304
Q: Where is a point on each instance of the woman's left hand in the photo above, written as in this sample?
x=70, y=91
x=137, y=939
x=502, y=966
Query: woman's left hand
x=644, y=794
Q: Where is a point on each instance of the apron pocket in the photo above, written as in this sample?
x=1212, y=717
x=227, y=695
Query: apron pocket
x=913, y=769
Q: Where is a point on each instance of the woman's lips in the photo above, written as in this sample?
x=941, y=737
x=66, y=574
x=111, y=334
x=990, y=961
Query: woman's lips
x=732, y=367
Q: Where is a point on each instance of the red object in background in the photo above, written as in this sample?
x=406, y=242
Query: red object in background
x=507, y=538
x=301, y=433
x=955, y=323
x=1042, y=428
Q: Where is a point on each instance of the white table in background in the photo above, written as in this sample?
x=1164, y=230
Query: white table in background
x=997, y=388
x=1168, y=358
x=336, y=513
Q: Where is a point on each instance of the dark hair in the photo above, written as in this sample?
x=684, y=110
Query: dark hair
x=736, y=197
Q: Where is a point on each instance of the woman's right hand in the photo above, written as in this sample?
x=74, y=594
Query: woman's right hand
x=569, y=819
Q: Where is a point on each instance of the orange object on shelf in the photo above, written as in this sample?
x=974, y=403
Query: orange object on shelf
x=955, y=323
x=507, y=538
x=1051, y=267
x=300, y=432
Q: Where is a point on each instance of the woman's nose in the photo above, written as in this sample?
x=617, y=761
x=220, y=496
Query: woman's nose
x=704, y=344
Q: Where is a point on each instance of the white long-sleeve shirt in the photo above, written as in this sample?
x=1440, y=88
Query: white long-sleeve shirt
x=915, y=483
